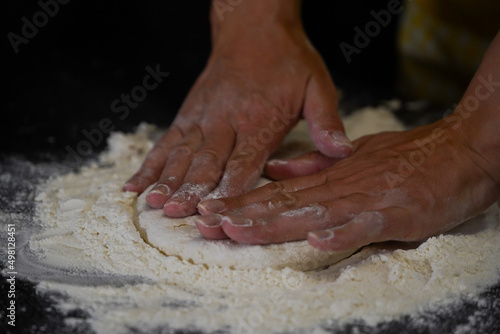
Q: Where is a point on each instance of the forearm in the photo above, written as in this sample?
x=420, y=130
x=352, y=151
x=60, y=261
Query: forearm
x=476, y=120
x=231, y=18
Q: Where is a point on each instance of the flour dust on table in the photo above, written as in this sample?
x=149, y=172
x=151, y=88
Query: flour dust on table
x=143, y=272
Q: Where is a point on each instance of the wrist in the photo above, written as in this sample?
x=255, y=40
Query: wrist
x=476, y=119
x=232, y=18
x=479, y=138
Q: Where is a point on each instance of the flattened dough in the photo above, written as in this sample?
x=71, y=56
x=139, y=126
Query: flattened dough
x=180, y=237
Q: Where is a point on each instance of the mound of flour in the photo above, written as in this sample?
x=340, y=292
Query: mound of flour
x=88, y=229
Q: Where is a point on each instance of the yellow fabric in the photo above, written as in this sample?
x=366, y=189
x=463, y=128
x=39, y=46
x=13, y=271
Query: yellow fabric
x=441, y=44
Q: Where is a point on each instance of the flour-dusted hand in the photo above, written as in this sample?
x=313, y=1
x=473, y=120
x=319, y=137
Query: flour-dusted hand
x=262, y=75
x=395, y=186
x=381, y=192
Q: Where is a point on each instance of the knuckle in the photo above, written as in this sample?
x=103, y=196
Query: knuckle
x=175, y=129
x=144, y=173
x=274, y=188
x=155, y=154
x=169, y=180
x=182, y=150
x=206, y=156
x=233, y=166
x=285, y=200
x=321, y=211
x=242, y=157
x=324, y=178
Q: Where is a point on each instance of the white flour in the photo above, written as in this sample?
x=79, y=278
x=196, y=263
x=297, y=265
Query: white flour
x=89, y=231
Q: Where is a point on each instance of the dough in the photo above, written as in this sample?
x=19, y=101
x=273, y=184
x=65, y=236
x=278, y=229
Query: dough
x=181, y=238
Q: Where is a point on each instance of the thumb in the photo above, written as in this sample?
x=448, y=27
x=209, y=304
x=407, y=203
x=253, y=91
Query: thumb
x=306, y=164
x=320, y=112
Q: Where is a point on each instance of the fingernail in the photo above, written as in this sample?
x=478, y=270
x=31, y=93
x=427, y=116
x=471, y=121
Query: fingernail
x=321, y=235
x=210, y=221
x=177, y=199
x=212, y=205
x=277, y=162
x=161, y=189
x=238, y=222
x=341, y=139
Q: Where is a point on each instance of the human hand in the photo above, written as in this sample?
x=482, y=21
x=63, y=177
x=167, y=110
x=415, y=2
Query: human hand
x=395, y=186
x=259, y=80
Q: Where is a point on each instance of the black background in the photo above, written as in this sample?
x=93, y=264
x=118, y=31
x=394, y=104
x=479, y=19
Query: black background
x=65, y=78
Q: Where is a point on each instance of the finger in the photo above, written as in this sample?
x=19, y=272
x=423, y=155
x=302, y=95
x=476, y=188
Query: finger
x=257, y=139
x=365, y=228
x=203, y=174
x=178, y=161
x=255, y=226
x=306, y=164
x=280, y=228
x=211, y=227
x=171, y=178
x=290, y=204
x=152, y=166
x=290, y=225
x=243, y=168
x=320, y=112
x=263, y=193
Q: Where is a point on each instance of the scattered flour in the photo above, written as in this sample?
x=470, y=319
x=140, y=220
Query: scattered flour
x=88, y=228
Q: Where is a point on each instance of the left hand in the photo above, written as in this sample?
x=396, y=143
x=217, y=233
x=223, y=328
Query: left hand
x=403, y=186
x=259, y=80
